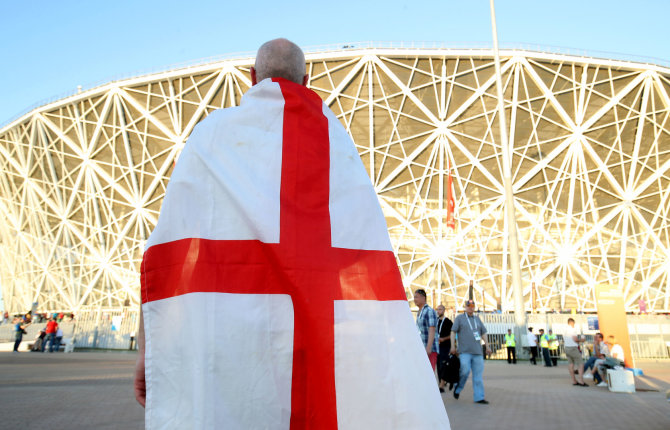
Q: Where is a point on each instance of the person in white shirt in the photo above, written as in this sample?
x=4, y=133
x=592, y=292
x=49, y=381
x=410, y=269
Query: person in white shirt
x=59, y=338
x=600, y=353
x=617, y=350
x=532, y=344
x=571, y=340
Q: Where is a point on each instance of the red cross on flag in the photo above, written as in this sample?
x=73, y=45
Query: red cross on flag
x=271, y=296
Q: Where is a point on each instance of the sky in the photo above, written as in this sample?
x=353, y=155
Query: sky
x=48, y=47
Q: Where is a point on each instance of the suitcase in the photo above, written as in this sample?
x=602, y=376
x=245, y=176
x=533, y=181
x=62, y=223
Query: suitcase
x=620, y=381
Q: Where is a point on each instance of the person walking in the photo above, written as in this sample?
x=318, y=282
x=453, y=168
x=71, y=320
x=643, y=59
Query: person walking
x=269, y=199
x=467, y=333
x=510, y=343
x=444, y=325
x=426, y=321
x=19, y=331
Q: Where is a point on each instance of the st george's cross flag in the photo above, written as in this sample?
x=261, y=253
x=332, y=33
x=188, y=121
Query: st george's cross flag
x=270, y=293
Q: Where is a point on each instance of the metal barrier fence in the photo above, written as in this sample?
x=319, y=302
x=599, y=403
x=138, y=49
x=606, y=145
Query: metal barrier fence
x=116, y=329
x=649, y=334
x=91, y=328
x=106, y=328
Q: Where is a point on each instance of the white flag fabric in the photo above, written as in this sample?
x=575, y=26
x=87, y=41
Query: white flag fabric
x=271, y=296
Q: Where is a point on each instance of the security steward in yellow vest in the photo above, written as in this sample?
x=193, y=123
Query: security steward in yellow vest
x=553, y=348
x=544, y=345
x=510, y=342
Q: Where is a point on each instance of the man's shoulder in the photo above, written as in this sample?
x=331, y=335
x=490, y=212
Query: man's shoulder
x=219, y=115
x=430, y=313
x=253, y=101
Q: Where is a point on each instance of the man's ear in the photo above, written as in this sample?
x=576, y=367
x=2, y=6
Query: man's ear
x=305, y=80
x=252, y=72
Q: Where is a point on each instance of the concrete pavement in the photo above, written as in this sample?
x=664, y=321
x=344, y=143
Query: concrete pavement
x=87, y=390
x=524, y=396
x=74, y=391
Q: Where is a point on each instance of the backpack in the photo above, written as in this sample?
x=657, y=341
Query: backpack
x=451, y=369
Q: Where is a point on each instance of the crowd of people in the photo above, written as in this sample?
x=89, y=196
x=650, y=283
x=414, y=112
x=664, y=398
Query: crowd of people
x=606, y=355
x=458, y=348
x=51, y=335
x=465, y=340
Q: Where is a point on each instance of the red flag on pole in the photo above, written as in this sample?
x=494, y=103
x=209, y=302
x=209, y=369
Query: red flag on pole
x=451, y=223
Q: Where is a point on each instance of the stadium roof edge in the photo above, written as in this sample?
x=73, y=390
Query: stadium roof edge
x=351, y=50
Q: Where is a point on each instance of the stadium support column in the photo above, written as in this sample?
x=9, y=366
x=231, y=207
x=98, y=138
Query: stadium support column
x=515, y=264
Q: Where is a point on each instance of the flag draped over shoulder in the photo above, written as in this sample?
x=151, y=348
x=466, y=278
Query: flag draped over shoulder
x=271, y=296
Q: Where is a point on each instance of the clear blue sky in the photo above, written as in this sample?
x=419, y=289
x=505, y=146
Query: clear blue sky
x=50, y=47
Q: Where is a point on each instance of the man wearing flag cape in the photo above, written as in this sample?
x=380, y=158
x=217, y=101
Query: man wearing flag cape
x=272, y=238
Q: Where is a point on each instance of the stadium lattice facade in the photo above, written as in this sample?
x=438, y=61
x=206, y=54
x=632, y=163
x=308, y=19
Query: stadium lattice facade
x=82, y=178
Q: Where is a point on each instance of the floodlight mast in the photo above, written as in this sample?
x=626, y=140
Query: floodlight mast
x=515, y=264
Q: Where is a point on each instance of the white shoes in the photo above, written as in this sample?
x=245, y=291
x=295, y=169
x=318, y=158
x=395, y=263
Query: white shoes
x=602, y=384
x=588, y=375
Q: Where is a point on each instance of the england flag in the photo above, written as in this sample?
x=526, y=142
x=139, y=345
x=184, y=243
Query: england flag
x=270, y=293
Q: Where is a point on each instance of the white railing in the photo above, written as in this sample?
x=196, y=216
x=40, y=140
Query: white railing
x=106, y=328
x=117, y=328
x=649, y=334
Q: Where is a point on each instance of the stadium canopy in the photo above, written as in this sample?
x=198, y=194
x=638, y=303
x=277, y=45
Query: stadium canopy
x=82, y=178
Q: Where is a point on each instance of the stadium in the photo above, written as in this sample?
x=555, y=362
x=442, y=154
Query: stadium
x=82, y=178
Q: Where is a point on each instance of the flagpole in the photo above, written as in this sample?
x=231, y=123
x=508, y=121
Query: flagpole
x=519, y=308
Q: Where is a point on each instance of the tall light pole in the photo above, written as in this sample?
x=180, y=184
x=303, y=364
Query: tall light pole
x=515, y=264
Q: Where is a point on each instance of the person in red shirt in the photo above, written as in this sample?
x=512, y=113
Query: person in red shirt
x=52, y=327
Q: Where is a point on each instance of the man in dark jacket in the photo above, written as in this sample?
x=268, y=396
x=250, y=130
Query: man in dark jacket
x=444, y=336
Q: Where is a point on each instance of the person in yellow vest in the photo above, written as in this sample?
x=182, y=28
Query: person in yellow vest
x=510, y=342
x=544, y=345
x=553, y=348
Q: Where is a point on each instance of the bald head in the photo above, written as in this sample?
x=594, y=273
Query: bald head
x=279, y=58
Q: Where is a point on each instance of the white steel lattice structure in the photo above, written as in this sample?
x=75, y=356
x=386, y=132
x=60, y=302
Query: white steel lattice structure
x=82, y=178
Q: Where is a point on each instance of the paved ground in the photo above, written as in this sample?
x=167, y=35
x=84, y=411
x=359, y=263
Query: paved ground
x=83, y=390
x=523, y=397
x=94, y=390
